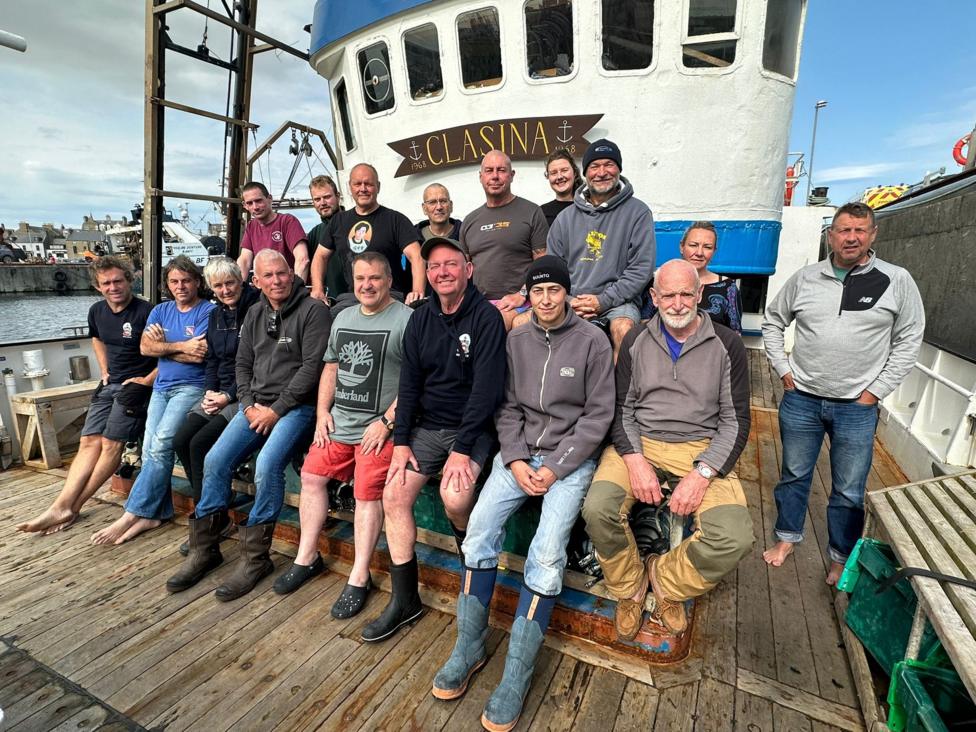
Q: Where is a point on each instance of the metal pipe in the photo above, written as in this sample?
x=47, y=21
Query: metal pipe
x=813, y=143
x=962, y=391
x=246, y=9
x=15, y=42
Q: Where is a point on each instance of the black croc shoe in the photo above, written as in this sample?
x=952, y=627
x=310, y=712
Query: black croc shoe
x=352, y=600
x=297, y=575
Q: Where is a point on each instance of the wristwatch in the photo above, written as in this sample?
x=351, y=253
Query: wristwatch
x=704, y=471
x=386, y=423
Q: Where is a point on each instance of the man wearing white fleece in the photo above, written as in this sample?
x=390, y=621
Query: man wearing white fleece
x=606, y=239
x=859, y=327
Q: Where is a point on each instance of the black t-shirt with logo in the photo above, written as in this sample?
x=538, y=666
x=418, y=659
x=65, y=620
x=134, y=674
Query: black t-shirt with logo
x=384, y=231
x=121, y=333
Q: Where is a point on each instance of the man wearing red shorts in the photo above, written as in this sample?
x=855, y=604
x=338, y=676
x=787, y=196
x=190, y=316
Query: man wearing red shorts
x=354, y=420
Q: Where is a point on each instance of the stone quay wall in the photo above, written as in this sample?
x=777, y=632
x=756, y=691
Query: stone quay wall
x=44, y=278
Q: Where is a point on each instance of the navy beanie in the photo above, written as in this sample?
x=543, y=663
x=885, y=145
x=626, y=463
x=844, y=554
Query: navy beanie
x=602, y=150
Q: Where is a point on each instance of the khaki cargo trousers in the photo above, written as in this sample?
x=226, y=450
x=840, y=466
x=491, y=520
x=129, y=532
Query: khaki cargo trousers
x=722, y=532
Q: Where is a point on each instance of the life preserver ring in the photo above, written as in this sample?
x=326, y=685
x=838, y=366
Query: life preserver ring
x=957, y=149
x=60, y=276
x=60, y=286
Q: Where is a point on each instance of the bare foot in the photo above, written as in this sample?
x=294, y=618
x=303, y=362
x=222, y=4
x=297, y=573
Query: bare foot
x=833, y=576
x=62, y=526
x=52, y=517
x=111, y=534
x=777, y=555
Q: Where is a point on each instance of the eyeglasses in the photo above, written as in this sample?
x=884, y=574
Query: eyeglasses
x=859, y=231
x=672, y=296
x=273, y=324
x=437, y=202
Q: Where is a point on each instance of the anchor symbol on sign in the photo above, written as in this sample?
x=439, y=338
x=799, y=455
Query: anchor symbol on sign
x=565, y=126
x=414, y=147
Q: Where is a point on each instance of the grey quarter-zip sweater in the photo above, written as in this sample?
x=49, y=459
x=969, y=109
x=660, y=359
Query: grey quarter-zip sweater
x=862, y=333
x=558, y=395
x=704, y=394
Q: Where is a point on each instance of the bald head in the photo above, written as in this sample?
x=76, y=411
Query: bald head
x=676, y=274
x=676, y=291
x=496, y=176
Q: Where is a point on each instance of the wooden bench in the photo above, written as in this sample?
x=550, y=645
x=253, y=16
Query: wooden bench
x=932, y=525
x=34, y=419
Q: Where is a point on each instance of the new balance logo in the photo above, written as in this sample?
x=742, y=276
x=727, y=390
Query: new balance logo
x=866, y=299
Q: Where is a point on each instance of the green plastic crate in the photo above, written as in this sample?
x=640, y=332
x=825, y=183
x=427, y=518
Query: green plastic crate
x=929, y=698
x=883, y=621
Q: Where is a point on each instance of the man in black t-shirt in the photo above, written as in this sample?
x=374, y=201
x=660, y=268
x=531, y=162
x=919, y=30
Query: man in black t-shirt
x=327, y=202
x=370, y=227
x=117, y=413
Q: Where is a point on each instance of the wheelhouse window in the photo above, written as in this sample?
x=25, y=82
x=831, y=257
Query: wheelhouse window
x=479, y=42
x=374, y=70
x=782, y=36
x=549, y=38
x=628, y=34
x=711, y=36
x=342, y=102
x=422, y=52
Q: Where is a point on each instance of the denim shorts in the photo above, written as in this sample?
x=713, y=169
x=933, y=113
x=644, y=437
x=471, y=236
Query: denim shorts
x=625, y=310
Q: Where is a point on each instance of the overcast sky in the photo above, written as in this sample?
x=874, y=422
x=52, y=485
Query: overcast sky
x=72, y=106
x=898, y=81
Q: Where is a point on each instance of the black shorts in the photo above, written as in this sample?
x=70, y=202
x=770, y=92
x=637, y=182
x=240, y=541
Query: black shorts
x=111, y=419
x=432, y=447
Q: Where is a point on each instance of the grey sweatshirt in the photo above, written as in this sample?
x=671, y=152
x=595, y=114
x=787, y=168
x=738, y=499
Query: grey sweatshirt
x=559, y=394
x=704, y=394
x=860, y=334
x=283, y=372
x=609, y=248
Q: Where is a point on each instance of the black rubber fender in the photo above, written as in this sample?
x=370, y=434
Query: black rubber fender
x=60, y=275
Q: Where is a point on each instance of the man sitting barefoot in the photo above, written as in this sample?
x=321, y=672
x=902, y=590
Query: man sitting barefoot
x=117, y=412
x=175, y=333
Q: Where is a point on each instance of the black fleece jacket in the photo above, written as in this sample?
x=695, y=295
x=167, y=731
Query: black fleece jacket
x=453, y=371
x=223, y=333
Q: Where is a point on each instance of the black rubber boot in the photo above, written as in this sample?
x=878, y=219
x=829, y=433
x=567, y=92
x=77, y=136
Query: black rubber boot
x=404, y=606
x=223, y=531
x=204, y=554
x=459, y=535
x=255, y=562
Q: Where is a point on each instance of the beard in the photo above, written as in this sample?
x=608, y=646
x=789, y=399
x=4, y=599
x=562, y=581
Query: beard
x=679, y=322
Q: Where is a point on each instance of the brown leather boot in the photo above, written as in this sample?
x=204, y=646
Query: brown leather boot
x=204, y=554
x=255, y=562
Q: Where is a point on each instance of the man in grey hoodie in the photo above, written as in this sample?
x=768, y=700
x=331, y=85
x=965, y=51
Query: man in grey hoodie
x=558, y=406
x=606, y=238
x=859, y=327
x=279, y=360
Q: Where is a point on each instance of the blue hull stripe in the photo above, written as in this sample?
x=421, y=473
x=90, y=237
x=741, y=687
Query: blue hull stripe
x=744, y=247
x=336, y=19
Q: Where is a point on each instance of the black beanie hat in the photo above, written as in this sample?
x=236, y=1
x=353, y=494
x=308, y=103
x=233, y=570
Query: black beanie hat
x=547, y=269
x=602, y=149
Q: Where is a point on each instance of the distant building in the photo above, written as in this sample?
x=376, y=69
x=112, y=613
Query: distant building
x=33, y=239
x=94, y=241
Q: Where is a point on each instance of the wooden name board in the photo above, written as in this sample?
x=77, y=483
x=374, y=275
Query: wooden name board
x=524, y=138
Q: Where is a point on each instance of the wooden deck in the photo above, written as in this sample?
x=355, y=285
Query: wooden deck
x=91, y=639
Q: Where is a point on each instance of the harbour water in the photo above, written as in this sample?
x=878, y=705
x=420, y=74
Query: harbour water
x=36, y=316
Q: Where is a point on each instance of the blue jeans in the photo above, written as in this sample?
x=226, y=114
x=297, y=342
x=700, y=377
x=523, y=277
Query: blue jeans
x=803, y=421
x=500, y=498
x=150, y=496
x=235, y=444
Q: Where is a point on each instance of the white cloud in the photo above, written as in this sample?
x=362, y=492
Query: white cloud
x=856, y=172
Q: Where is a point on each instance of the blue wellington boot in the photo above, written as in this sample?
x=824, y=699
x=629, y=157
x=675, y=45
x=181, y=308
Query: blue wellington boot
x=531, y=620
x=469, y=653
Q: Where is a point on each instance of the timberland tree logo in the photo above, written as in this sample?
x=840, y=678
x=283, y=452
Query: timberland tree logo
x=360, y=374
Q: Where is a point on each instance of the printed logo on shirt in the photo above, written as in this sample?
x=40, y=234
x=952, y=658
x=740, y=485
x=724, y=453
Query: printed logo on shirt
x=465, y=341
x=497, y=225
x=189, y=330
x=594, y=246
x=360, y=236
x=567, y=371
x=276, y=237
x=360, y=373
x=866, y=299
x=126, y=330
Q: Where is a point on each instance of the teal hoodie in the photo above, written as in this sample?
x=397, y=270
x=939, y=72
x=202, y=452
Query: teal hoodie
x=609, y=248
